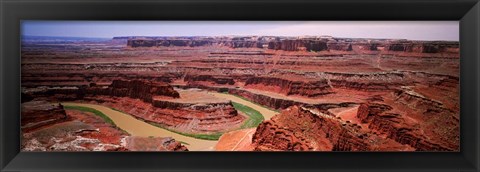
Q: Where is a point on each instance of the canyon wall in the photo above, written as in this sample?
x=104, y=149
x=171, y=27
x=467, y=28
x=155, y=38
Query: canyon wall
x=423, y=47
x=211, y=79
x=140, y=89
x=290, y=87
x=36, y=114
x=271, y=102
x=301, y=129
x=303, y=44
x=396, y=127
x=298, y=45
x=166, y=43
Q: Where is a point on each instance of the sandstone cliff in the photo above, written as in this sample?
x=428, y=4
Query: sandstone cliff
x=397, y=127
x=298, y=45
x=301, y=129
x=213, y=80
x=166, y=43
x=36, y=114
x=290, y=87
x=303, y=44
x=138, y=89
x=422, y=47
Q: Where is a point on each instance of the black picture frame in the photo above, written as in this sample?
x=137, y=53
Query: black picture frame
x=465, y=11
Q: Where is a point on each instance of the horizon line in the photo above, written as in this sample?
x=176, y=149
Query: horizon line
x=244, y=35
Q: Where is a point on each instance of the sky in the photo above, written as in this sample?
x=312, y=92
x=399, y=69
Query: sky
x=413, y=30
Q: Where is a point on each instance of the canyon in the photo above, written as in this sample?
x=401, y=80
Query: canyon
x=317, y=93
x=81, y=131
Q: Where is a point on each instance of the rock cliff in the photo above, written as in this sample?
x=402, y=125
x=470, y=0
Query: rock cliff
x=301, y=129
x=36, y=114
x=166, y=43
x=290, y=87
x=302, y=44
x=398, y=128
x=138, y=89
x=298, y=45
x=210, y=79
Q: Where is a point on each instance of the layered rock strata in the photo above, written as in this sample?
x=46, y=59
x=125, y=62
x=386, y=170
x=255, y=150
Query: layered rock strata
x=302, y=44
x=137, y=89
x=303, y=129
x=290, y=87
x=36, y=114
x=166, y=43
x=211, y=80
x=398, y=128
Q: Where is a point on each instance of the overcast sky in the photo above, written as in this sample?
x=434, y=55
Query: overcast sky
x=414, y=30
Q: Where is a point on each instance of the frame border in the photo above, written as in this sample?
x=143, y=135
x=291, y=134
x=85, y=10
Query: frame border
x=13, y=11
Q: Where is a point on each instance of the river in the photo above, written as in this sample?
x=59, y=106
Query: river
x=137, y=127
x=267, y=113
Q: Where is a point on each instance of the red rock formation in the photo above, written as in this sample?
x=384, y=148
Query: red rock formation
x=298, y=45
x=304, y=44
x=423, y=47
x=339, y=46
x=366, y=112
x=141, y=89
x=165, y=43
x=416, y=82
x=55, y=94
x=417, y=100
x=36, y=114
x=362, y=85
x=264, y=100
x=396, y=127
x=368, y=82
x=269, y=137
x=278, y=103
x=213, y=80
x=299, y=128
x=289, y=87
x=138, y=89
x=244, y=44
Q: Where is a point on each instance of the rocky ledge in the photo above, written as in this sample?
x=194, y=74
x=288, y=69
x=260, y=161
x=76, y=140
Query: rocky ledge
x=380, y=118
x=302, y=129
x=36, y=114
x=290, y=87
